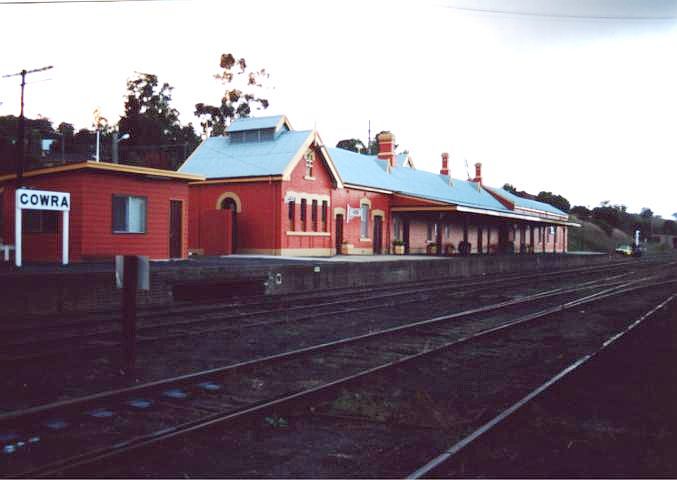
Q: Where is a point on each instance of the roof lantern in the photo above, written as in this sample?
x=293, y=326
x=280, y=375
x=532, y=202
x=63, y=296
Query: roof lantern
x=257, y=129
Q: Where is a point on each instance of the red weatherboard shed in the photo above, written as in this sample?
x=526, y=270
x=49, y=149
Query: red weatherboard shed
x=115, y=210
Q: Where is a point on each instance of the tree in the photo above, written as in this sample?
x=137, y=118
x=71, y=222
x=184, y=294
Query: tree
x=581, y=212
x=670, y=227
x=153, y=125
x=238, y=98
x=352, y=144
x=646, y=213
x=556, y=201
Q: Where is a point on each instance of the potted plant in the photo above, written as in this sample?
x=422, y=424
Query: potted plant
x=398, y=247
x=449, y=249
x=431, y=248
x=345, y=248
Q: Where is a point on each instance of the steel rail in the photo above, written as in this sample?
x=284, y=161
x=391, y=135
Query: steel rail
x=435, y=463
x=111, y=394
x=287, y=399
x=144, y=330
x=340, y=292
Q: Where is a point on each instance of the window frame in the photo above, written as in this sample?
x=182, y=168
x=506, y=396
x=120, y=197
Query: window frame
x=128, y=199
x=364, y=220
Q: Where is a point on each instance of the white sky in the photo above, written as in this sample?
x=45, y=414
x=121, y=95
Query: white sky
x=583, y=107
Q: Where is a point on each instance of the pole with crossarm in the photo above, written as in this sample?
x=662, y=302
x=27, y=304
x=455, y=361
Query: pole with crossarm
x=22, y=124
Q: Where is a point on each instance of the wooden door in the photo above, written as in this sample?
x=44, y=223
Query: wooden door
x=175, y=228
x=378, y=235
x=339, y=233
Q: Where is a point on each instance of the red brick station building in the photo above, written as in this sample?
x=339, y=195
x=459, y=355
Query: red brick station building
x=265, y=188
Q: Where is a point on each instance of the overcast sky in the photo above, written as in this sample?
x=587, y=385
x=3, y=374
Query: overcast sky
x=574, y=97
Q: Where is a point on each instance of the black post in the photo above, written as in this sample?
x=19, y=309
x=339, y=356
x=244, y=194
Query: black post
x=21, y=134
x=129, y=286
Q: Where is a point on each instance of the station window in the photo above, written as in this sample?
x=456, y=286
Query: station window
x=129, y=214
x=313, y=214
x=304, y=203
x=325, y=207
x=309, y=164
x=292, y=215
x=364, y=221
x=397, y=228
x=40, y=221
x=432, y=232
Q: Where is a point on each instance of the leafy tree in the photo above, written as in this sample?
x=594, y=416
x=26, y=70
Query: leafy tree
x=352, y=144
x=510, y=188
x=556, y=201
x=581, y=211
x=646, y=213
x=153, y=124
x=239, y=97
x=670, y=227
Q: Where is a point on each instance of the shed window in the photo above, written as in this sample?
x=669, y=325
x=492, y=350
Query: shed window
x=129, y=214
x=364, y=221
x=397, y=228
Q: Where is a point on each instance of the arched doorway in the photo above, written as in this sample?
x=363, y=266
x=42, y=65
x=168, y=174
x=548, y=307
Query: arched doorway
x=229, y=204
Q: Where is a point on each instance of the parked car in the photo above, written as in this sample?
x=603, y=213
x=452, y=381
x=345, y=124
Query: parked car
x=624, y=250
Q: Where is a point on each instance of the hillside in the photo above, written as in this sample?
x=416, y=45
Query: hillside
x=592, y=238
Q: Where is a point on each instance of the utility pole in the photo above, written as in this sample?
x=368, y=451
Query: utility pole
x=21, y=130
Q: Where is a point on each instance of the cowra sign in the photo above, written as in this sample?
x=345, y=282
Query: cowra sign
x=43, y=200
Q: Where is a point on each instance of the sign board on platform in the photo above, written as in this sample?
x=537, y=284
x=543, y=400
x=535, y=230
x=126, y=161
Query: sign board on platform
x=43, y=200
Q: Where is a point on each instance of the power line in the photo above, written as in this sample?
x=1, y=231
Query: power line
x=48, y=2
x=521, y=13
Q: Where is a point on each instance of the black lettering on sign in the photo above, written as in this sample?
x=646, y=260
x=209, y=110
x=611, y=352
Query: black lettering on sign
x=23, y=198
x=34, y=199
x=54, y=201
x=44, y=200
x=64, y=202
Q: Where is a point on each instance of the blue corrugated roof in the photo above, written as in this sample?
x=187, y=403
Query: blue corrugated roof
x=255, y=123
x=527, y=203
x=369, y=171
x=217, y=157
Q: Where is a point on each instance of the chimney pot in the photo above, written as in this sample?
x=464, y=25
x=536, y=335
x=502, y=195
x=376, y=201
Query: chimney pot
x=445, y=164
x=386, y=148
x=478, y=173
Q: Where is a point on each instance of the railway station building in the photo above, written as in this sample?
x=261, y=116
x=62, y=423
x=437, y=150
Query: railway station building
x=283, y=192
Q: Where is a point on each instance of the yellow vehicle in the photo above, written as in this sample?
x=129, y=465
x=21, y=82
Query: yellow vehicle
x=624, y=250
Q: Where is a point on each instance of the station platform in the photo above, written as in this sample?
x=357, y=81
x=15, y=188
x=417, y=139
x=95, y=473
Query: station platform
x=84, y=287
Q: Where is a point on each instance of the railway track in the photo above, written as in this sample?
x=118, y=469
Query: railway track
x=140, y=416
x=97, y=339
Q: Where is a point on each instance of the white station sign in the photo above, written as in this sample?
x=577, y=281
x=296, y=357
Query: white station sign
x=27, y=199
x=43, y=200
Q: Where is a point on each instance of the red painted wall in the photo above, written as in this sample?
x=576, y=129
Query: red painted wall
x=91, y=232
x=351, y=229
x=303, y=187
x=257, y=222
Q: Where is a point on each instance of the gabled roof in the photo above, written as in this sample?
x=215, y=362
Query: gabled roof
x=109, y=167
x=219, y=157
x=526, y=203
x=370, y=172
x=259, y=123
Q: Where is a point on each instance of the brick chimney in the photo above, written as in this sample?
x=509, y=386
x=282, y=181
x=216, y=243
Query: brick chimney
x=386, y=148
x=478, y=173
x=445, y=164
